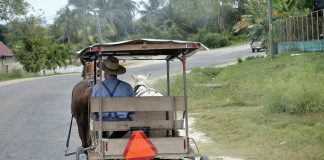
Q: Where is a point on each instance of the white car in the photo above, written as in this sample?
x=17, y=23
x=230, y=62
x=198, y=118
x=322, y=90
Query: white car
x=256, y=46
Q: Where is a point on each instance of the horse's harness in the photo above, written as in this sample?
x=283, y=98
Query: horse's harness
x=137, y=87
x=140, y=93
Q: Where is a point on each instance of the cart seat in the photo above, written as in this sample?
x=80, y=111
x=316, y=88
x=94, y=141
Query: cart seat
x=157, y=113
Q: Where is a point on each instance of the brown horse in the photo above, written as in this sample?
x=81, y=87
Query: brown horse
x=79, y=105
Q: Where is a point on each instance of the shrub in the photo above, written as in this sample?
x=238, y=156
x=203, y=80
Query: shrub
x=237, y=39
x=209, y=72
x=295, y=99
x=250, y=57
x=210, y=39
x=239, y=60
x=16, y=73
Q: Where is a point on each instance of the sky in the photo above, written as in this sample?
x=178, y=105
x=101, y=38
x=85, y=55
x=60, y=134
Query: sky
x=49, y=7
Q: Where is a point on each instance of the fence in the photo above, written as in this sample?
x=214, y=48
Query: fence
x=300, y=33
x=67, y=69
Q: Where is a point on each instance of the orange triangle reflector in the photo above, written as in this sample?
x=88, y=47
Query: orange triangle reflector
x=139, y=147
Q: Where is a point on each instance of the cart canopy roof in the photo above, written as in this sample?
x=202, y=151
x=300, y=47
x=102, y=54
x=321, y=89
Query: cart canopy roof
x=141, y=49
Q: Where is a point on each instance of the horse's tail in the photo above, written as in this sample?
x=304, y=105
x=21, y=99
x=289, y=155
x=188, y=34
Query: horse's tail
x=72, y=101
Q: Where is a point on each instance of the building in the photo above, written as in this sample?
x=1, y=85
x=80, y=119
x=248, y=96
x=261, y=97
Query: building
x=7, y=61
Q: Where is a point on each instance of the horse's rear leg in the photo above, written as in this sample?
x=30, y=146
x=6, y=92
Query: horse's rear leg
x=83, y=135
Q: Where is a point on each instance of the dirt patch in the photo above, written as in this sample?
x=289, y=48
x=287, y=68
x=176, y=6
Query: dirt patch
x=198, y=136
x=212, y=85
x=206, y=145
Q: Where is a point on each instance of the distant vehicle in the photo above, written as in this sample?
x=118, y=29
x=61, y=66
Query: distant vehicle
x=256, y=45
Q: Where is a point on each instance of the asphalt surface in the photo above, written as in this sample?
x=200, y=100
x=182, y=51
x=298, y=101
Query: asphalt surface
x=35, y=114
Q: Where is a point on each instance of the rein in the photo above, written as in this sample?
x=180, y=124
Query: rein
x=137, y=87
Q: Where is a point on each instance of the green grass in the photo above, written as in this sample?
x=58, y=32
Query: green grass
x=260, y=109
x=16, y=74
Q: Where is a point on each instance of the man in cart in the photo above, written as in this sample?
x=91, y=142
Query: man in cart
x=113, y=87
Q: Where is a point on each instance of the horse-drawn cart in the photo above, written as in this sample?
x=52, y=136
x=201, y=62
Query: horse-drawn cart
x=157, y=120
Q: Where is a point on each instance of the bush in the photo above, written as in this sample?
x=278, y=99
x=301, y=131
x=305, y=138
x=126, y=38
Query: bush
x=250, y=58
x=253, y=57
x=16, y=73
x=239, y=60
x=295, y=99
x=209, y=72
x=210, y=39
x=237, y=39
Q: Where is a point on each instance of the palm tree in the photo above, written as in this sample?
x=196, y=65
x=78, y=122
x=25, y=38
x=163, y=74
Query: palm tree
x=62, y=27
x=256, y=21
x=151, y=9
x=172, y=15
x=81, y=11
x=117, y=15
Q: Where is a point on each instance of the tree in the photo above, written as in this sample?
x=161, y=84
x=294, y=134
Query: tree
x=31, y=47
x=67, y=28
x=182, y=18
x=240, y=6
x=11, y=8
x=3, y=31
x=81, y=12
x=319, y=4
x=172, y=20
x=287, y=8
x=150, y=9
x=115, y=16
x=57, y=55
x=256, y=21
x=62, y=27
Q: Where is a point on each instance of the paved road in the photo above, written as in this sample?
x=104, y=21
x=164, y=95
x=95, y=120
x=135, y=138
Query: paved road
x=35, y=114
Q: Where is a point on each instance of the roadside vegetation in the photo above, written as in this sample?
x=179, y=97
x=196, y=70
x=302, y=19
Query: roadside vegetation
x=17, y=74
x=260, y=109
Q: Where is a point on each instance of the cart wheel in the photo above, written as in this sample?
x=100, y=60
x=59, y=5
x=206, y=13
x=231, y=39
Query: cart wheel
x=204, y=157
x=80, y=154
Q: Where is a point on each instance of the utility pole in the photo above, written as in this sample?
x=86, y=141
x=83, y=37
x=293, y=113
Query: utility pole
x=270, y=28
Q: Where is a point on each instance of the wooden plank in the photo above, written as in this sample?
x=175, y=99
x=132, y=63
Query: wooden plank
x=150, y=115
x=126, y=125
x=116, y=104
x=179, y=103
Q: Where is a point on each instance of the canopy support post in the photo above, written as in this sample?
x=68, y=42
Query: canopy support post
x=168, y=77
x=185, y=114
